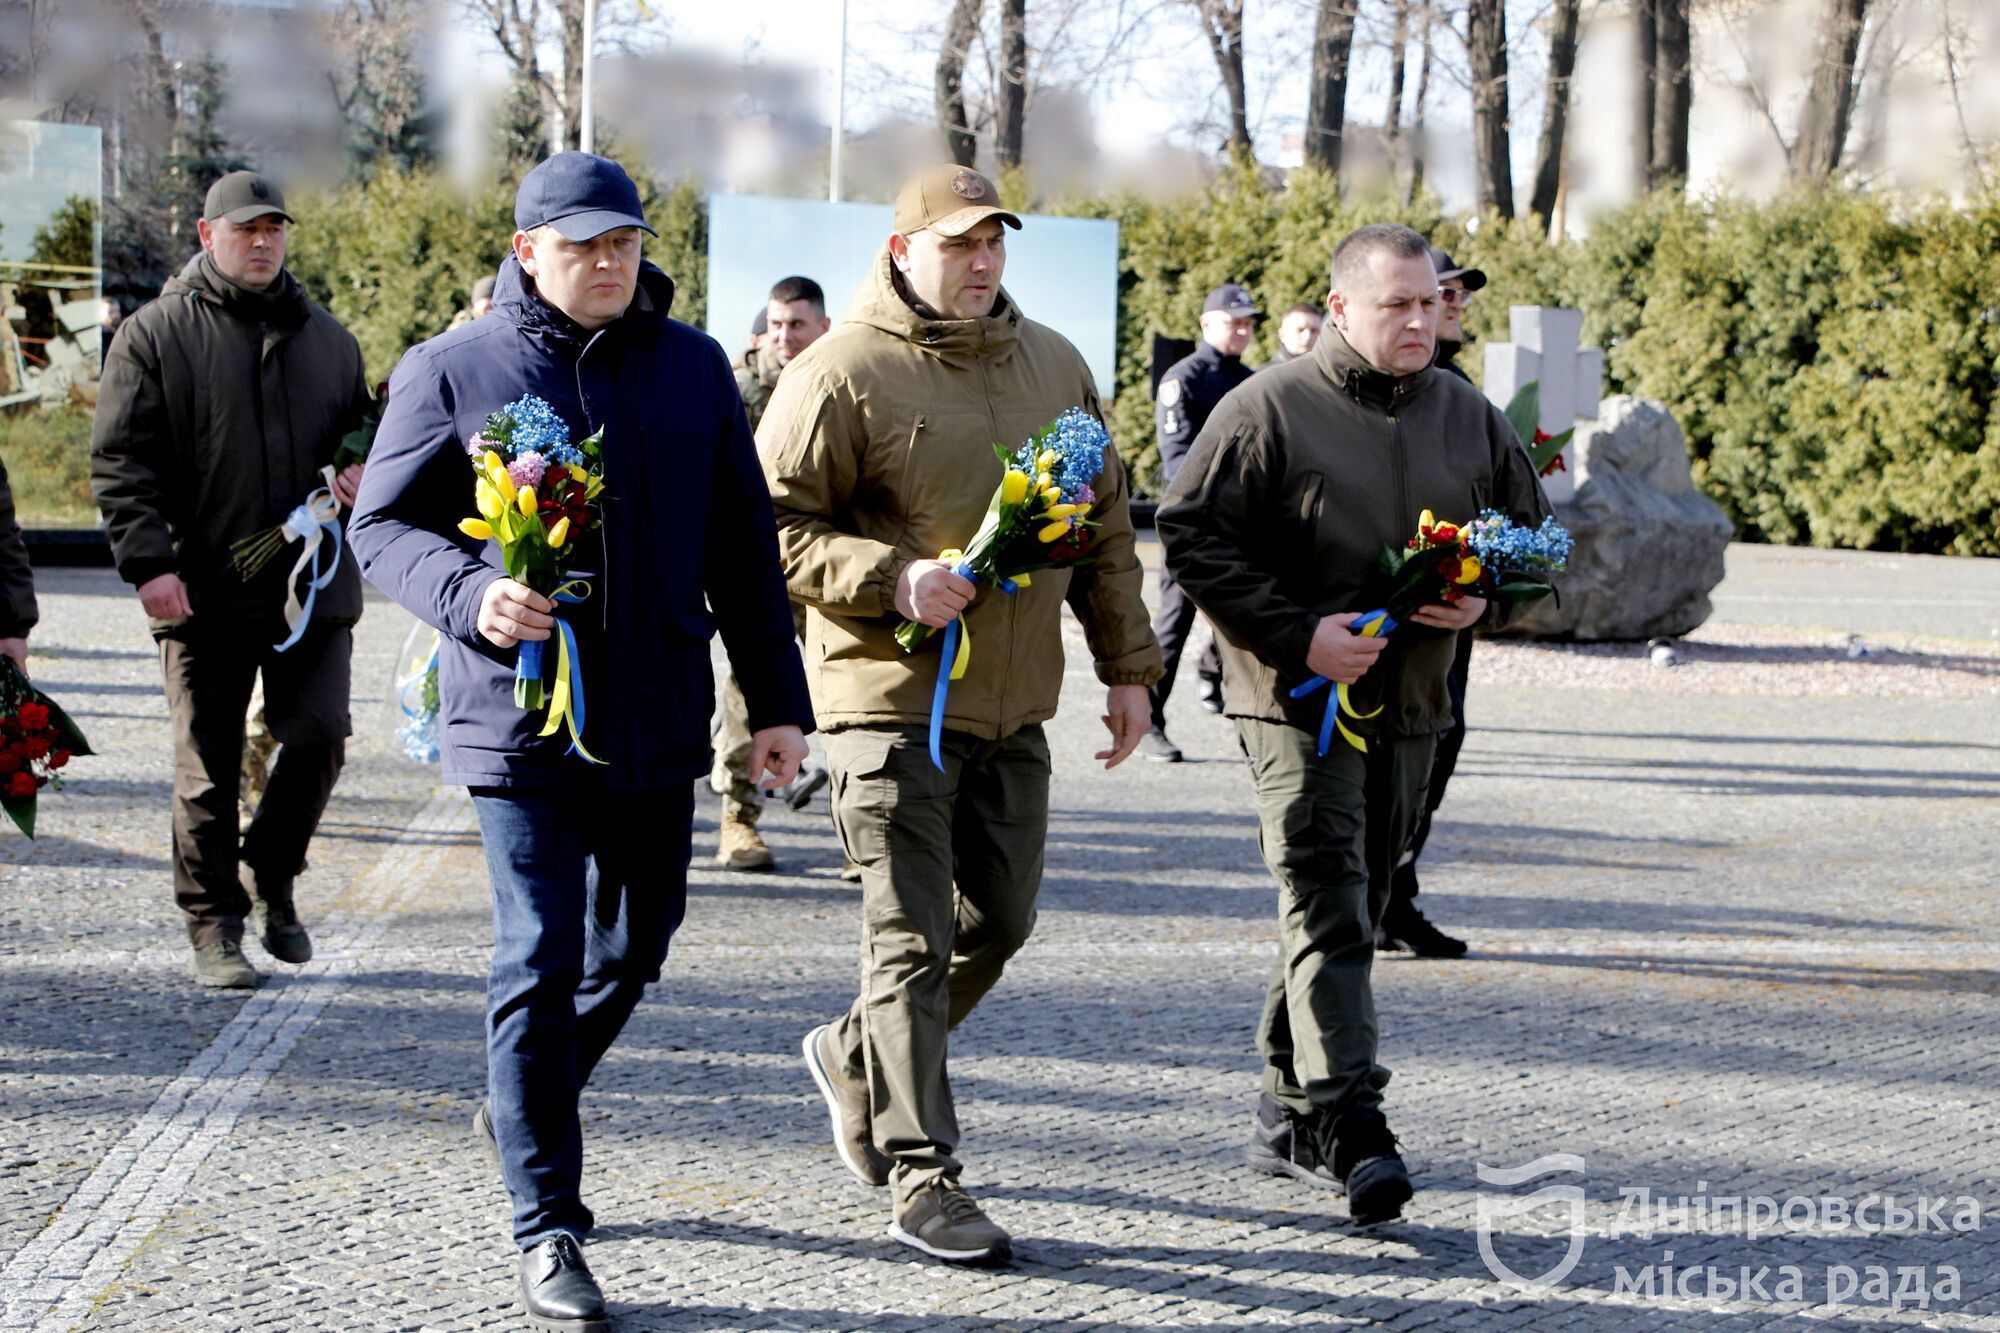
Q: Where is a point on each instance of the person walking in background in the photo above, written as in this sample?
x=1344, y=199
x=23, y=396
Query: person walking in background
x=220, y=403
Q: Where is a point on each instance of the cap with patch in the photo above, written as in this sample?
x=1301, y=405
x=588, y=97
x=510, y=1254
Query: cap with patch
x=581, y=195
x=1471, y=279
x=762, y=324
x=1231, y=299
x=241, y=196
x=949, y=200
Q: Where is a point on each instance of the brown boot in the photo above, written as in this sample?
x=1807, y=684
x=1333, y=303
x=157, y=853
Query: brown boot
x=742, y=848
x=278, y=927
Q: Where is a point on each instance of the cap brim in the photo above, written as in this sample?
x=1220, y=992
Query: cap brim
x=1472, y=278
x=581, y=227
x=251, y=212
x=965, y=219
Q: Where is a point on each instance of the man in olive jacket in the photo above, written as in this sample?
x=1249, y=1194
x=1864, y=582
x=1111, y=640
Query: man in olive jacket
x=220, y=403
x=1275, y=525
x=878, y=446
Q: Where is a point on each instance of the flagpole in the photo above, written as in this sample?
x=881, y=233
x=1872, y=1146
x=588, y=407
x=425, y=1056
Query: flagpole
x=839, y=109
x=587, y=136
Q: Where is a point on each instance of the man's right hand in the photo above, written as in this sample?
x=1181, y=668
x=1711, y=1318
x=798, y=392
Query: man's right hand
x=165, y=597
x=510, y=612
x=1340, y=655
x=928, y=592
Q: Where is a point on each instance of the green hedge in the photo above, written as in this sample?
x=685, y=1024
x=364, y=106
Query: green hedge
x=48, y=466
x=1832, y=357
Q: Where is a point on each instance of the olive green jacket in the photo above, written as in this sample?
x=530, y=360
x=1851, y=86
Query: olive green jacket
x=878, y=446
x=755, y=377
x=1280, y=513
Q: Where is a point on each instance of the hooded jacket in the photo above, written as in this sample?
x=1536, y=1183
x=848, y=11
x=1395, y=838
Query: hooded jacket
x=1285, y=504
x=685, y=517
x=878, y=447
x=217, y=409
x=18, y=612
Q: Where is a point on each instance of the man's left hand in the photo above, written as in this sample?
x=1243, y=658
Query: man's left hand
x=1128, y=715
x=347, y=484
x=778, y=751
x=1463, y=616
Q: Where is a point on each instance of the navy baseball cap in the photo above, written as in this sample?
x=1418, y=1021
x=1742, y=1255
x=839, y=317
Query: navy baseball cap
x=1230, y=298
x=582, y=196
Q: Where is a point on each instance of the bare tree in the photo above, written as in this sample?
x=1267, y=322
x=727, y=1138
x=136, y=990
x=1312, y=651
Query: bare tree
x=1555, y=110
x=1645, y=44
x=375, y=76
x=1952, y=36
x=1427, y=30
x=1326, y=105
x=522, y=29
x=1222, y=24
x=1673, y=93
x=1013, y=82
x=959, y=34
x=1830, y=96
x=1486, y=44
x=1399, y=46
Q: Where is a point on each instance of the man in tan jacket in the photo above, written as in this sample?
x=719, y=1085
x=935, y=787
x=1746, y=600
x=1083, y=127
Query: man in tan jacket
x=878, y=445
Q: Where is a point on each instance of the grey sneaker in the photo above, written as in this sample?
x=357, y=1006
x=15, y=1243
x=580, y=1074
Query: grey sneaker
x=220, y=963
x=847, y=1104
x=1155, y=746
x=942, y=1220
x=281, y=933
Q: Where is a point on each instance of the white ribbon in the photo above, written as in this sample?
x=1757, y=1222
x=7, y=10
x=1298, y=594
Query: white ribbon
x=312, y=522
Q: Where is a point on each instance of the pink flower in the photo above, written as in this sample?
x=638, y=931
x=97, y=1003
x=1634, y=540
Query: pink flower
x=527, y=469
x=478, y=445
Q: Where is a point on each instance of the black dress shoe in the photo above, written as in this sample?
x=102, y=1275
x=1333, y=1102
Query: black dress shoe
x=559, y=1291
x=1405, y=927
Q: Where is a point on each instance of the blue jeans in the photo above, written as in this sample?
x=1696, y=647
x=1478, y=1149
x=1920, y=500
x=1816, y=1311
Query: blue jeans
x=588, y=888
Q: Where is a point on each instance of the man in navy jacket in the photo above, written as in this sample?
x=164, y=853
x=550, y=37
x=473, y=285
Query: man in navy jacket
x=588, y=863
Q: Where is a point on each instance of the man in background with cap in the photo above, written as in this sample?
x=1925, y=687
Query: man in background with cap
x=220, y=403
x=1404, y=926
x=879, y=450
x=793, y=318
x=588, y=862
x=482, y=305
x=1188, y=392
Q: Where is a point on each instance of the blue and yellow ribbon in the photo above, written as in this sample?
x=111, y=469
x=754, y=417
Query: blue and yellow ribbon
x=311, y=524
x=956, y=653
x=566, y=707
x=1374, y=625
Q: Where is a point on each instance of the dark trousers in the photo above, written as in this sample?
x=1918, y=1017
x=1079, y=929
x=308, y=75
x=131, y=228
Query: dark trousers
x=1403, y=885
x=210, y=668
x=588, y=888
x=1331, y=827
x=1173, y=623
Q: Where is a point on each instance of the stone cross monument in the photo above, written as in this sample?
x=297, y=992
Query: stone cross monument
x=1544, y=348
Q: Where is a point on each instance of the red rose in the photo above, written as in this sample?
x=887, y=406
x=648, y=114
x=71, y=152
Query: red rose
x=37, y=747
x=59, y=758
x=33, y=717
x=20, y=787
x=10, y=759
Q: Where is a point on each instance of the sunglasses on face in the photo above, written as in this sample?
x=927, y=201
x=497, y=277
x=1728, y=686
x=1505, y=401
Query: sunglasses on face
x=1454, y=296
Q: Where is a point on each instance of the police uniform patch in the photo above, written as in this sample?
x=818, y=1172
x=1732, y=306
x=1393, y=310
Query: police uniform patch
x=1170, y=393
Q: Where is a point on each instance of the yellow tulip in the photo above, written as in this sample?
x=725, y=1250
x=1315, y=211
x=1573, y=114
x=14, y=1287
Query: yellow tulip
x=1046, y=461
x=1469, y=571
x=476, y=528
x=486, y=499
x=1063, y=511
x=1013, y=487
x=492, y=461
x=1426, y=520
x=501, y=483
x=560, y=532
x=1053, y=531
x=1044, y=482
x=526, y=501
x=576, y=473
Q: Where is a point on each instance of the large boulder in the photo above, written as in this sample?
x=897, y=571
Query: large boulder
x=1649, y=547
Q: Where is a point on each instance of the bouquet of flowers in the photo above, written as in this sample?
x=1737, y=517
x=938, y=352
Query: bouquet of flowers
x=537, y=493
x=1493, y=557
x=37, y=739
x=1037, y=519
x=414, y=690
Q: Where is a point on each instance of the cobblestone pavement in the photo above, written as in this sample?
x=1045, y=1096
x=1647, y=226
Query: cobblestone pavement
x=1728, y=946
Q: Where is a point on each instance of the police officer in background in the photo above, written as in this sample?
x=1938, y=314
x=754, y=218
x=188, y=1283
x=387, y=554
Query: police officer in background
x=1188, y=392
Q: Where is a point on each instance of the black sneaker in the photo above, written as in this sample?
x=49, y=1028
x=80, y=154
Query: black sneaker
x=1282, y=1143
x=1363, y=1157
x=1404, y=927
x=558, y=1290
x=1211, y=693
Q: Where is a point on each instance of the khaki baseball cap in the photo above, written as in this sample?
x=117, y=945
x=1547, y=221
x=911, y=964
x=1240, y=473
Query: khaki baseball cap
x=241, y=196
x=949, y=200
